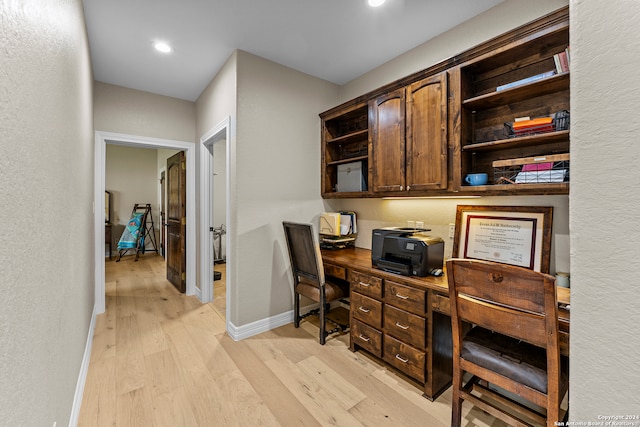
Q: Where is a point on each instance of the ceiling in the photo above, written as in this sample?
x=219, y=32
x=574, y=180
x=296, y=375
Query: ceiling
x=335, y=40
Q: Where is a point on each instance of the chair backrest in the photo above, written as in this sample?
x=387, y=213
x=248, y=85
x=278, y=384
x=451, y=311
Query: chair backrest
x=511, y=300
x=304, y=252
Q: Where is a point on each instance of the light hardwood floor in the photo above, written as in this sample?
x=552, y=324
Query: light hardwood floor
x=161, y=358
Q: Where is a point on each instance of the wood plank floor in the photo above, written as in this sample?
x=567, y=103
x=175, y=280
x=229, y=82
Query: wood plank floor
x=161, y=358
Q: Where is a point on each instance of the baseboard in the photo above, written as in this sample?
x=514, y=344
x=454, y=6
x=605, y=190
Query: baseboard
x=238, y=333
x=82, y=378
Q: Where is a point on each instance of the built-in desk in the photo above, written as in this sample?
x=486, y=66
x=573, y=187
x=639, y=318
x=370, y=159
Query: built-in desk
x=405, y=320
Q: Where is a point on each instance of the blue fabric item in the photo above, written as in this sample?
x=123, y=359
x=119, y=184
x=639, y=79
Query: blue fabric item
x=131, y=232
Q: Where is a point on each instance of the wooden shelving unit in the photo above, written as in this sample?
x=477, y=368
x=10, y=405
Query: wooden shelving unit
x=345, y=139
x=485, y=110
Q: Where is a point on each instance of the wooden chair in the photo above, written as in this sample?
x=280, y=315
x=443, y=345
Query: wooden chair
x=308, y=276
x=513, y=345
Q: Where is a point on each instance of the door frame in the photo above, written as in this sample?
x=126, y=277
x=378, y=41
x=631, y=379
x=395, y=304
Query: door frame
x=101, y=140
x=206, y=244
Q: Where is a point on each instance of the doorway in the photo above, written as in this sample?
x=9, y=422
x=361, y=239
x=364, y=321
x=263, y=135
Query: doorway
x=101, y=140
x=215, y=155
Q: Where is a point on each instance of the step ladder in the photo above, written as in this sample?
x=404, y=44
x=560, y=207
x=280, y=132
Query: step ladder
x=147, y=231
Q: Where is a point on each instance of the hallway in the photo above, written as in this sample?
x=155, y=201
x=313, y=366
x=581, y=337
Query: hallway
x=161, y=358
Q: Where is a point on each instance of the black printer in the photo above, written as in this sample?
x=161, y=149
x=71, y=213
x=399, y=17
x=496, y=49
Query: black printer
x=406, y=251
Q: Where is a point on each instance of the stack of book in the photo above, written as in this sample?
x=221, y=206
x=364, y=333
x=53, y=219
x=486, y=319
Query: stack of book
x=562, y=61
x=526, y=126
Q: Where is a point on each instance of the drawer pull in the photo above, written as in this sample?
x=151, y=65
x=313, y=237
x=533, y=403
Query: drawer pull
x=402, y=296
x=363, y=309
x=363, y=338
x=366, y=285
x=402, y=359
x=401, y=326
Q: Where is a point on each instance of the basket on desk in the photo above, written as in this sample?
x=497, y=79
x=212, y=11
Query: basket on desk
x=551, y=169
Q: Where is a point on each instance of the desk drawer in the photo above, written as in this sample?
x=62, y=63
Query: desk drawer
x=335, y=271
x=405, y=297
x=441, y=304
x=366, y=284
x=367, y=337
x=405, y=326
x=409, y=360
x=366, y=309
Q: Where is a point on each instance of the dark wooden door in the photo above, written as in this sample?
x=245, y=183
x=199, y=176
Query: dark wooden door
x=387, y=120
x=427, y=134
x=176, y=220
x=163, y=216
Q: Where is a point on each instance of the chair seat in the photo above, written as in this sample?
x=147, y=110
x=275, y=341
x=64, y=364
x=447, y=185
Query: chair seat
x=512, y=358
x=311, y=290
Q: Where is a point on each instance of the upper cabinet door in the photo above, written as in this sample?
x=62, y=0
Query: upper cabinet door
x=427, y=134
x=387, y=125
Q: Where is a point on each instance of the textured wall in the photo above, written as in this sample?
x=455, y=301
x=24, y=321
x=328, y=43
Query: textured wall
x=277, y=172
x=133, y=112
x=605, y=210
x=505, y=16
x=46, y=194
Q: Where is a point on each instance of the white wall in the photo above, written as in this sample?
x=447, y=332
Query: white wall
x=46, y=189
x=217, y=103
x=131, y=177
x=277, y=176
x=133, y=112
x=494, y=22
x=437, y=214
x=605, y=237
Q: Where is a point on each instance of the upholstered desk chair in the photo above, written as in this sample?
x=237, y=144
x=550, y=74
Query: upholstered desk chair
x=513, y=345
x=308, y=276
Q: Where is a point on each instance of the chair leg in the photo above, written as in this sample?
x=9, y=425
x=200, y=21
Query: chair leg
x=456, y=400
x=296, y=310
x=323, y=311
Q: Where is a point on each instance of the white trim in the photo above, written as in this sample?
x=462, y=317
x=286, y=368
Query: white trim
x=101, y=139
x=238, y=333
x=84, y=368
x=206, y=244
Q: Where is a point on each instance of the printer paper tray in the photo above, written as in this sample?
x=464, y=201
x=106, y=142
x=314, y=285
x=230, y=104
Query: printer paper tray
x=394, y=267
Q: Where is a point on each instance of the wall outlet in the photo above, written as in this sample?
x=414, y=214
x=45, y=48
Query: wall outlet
x=452, y=231
x=411, y=224
x=419, y=224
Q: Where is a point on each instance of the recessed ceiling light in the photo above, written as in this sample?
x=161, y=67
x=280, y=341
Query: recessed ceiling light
x=162, y=47
x=376, y=3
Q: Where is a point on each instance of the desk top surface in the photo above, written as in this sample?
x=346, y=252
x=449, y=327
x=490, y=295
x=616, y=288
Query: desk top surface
x=361, y=259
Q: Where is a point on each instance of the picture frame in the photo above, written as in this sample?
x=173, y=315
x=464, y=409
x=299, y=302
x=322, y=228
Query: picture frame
x=515, y=235
x=107, y=207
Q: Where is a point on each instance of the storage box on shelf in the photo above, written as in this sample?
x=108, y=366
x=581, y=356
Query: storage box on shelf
x=345, y=142
x=517, y=81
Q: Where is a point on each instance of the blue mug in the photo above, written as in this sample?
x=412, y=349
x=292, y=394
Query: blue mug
x=477, y=179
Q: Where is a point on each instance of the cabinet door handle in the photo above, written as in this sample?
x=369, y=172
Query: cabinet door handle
x=363, y=309
x=401, y=188
x=402, y=359
x=401, y=296
x=408, y=187
x=401, y=326
x=363, y=338
x=366, y=285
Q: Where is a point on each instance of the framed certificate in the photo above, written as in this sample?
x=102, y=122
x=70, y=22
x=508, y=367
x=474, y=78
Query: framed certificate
x=516, y=235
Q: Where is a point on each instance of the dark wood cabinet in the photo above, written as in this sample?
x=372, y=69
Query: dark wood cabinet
x=387, y=117
x=422, y=134
x=391, y=319
x=409, y=137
